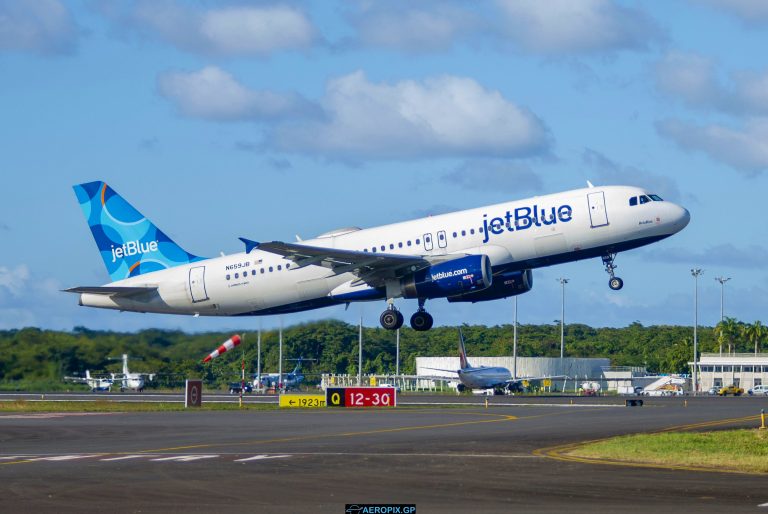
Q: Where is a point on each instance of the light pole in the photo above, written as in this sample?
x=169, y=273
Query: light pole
x=360, y=353
x=696, y=272
x=722, y=281
x=514, y=345
x=397, y=353
x=280, y=357
x=562, y=281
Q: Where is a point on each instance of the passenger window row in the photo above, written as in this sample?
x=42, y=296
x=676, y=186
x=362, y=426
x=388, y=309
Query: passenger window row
x=262, y=271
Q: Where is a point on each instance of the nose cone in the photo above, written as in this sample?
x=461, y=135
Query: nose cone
x=680, y=217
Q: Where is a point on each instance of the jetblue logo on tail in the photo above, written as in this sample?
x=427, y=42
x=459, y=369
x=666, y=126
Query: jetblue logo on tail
x=133, y=248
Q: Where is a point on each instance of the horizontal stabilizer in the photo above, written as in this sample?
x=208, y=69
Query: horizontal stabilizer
x=111, y=290
x=249, y=244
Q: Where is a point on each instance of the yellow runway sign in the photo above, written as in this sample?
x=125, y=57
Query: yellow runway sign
x=302, y=401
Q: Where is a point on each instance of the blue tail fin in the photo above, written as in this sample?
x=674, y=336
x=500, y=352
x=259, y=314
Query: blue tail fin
x=129, y=243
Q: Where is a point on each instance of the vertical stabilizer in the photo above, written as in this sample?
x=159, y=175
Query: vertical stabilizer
x=463, y=363
x=129, y=243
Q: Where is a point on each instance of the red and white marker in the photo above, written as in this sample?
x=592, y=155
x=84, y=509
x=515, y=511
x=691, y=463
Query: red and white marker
x=228, y=345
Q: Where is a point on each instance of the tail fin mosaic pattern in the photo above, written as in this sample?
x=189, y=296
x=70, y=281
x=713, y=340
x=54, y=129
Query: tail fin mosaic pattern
x=129, y=243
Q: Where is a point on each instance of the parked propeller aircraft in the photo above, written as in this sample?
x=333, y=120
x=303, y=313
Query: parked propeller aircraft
x=474, y=255
x=290, y=380
x=128, y=380
x=100, y=383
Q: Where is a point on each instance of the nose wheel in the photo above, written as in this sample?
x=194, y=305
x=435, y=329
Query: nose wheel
x=614, y=282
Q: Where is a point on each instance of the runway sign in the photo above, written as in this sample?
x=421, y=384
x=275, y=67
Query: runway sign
x=193, y=396
x=302, y=401
x=361, y=397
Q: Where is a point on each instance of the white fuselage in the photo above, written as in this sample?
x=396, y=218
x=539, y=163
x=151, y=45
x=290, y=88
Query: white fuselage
x=568, y=226
x=484, y=377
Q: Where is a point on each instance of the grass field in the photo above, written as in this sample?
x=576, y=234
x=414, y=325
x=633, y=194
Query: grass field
x=740, y=450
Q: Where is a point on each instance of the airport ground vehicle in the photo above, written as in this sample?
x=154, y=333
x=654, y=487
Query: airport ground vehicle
x=731, y=389
x=234, y=387
x=759, y=390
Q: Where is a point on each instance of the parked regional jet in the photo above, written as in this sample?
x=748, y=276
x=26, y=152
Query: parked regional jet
x=496, y=378
x=474, y=255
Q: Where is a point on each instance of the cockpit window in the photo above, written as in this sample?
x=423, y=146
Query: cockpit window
x=633, y=201
x=644, y=199
x=656, y=198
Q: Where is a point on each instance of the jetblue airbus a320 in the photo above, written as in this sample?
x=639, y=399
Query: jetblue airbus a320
x=474, y=255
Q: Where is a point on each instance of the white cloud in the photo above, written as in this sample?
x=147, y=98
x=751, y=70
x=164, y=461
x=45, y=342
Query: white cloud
x=214, y=94
x=41, y=26
x=745, y=149
x=751, y=12
x=611, y=172
x=13, y=280
x=693, y=79
x=727, y=255
x=495, y=175
x=443, y=116
x=400, y=26
x=568, y=26
x=233, y=30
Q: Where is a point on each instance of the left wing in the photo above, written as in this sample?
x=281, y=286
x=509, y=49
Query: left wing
x=362, y=264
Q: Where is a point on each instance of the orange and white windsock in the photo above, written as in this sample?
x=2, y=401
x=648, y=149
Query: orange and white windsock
x=228, y=345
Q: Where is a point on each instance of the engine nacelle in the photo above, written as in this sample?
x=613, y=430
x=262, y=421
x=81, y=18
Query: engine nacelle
x=510, y=283
x=455, y=277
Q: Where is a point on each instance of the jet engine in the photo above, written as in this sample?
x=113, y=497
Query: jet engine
x=450, y=278
x=506, y=284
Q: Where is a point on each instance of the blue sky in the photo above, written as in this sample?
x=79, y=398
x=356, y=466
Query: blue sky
x=269, y=119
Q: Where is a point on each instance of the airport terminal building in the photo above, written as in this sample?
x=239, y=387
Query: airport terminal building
x=745, y=370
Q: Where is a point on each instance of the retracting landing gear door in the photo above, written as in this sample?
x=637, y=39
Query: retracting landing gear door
x=597, y=214
x=197, y=284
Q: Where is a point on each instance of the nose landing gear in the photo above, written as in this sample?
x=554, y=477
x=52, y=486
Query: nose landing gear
x=614, y=282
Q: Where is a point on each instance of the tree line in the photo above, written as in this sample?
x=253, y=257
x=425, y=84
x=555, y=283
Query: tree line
x=35, y=359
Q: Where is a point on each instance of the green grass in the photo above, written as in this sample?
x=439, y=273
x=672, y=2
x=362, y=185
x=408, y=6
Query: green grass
x=740, y=450
x=111, y=406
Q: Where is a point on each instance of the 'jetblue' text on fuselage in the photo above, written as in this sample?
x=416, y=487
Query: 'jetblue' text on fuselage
x=523, y=218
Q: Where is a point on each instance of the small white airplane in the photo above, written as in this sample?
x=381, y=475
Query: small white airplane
x=474, y=255
x=95, y=383
x=487, y=378
x=128, y=380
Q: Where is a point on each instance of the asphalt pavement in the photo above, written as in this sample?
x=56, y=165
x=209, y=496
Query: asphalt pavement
x=442, y=458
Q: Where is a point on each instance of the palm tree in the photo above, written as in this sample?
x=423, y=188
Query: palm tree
x=726, y=331
x=755, y=333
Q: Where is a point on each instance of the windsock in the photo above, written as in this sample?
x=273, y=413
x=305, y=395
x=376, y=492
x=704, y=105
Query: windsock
x=228, y=345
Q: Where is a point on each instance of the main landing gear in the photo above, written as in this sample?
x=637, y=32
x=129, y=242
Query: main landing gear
x=614, y=282
x=392, y=319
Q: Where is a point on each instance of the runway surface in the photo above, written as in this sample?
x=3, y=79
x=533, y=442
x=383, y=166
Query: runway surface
x=441, y=458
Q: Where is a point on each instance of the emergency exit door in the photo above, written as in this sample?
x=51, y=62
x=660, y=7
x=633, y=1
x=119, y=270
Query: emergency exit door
x=597, y=214
x=197, y=284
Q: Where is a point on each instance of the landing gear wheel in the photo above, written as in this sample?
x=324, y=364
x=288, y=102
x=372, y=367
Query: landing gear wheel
x=421, y=321
x=391, y=319
x=615, y=282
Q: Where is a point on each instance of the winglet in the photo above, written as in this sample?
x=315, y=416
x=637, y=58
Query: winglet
x=249, y=245
x=589, y=184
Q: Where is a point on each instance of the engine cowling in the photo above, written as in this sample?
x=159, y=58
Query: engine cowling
x=506, y=284
x=455, y=277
